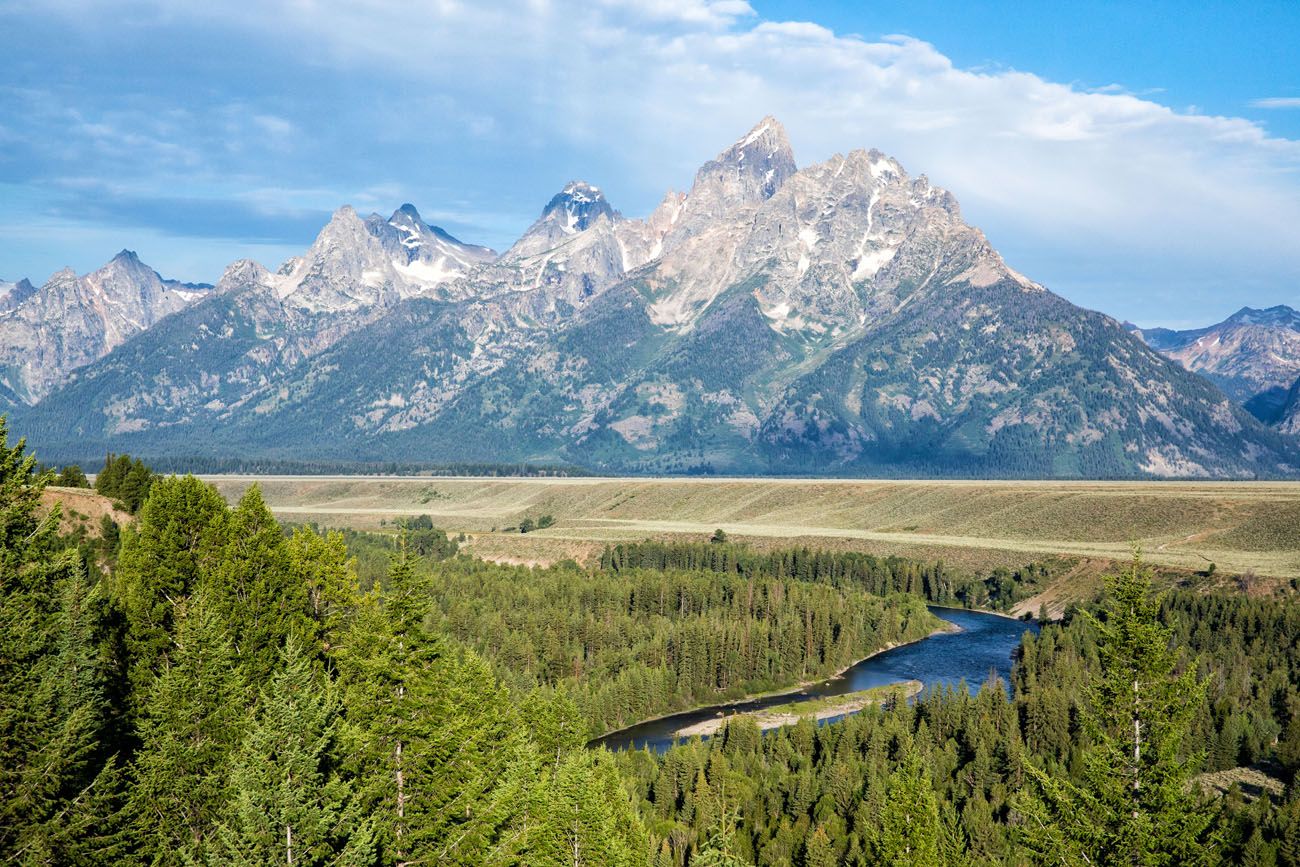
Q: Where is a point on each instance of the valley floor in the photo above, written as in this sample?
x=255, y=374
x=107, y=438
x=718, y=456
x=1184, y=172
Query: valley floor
x=1243, y=528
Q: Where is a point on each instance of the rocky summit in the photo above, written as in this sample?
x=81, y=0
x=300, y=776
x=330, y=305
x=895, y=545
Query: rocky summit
x=840, y=318
x=71, y=321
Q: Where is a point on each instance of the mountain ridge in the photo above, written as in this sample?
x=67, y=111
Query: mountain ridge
x=840, y=318
x=71, y=320
x=1253, y=355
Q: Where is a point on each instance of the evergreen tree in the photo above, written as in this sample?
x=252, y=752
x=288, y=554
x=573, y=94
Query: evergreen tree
x=72, y=476
x=320, y=564
x=443, y=758
x=820, y=852
x=290, y=804
x=61, y=795
x=58, y=785
x=125, y=480
x=255, y=590
x=190, y=724
x=1134, y=805
x=908, y=831
x=557, y=724
x=582, y=817
x=178, y=536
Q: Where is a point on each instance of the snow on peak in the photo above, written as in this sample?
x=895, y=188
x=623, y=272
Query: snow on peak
x=577, y=206
x=769, y=127
x=581, y=191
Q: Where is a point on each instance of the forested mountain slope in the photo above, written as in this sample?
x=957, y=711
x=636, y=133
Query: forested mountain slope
x=1253, y=355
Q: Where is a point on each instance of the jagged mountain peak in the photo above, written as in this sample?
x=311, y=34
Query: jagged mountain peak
x=125, y=271
x=752, y=169
x=73, y=320
x=576, y=207
x=359, y=263
x=838, y=318
x=345, y=216
x=569, y=214
x=765, y=138
x=1253, y=355
x=241, y=273
x=14, y=294
x=738, y=179
x=407, y=219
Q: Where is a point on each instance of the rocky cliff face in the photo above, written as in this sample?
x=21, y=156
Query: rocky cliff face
x=840, y=318
x=71, y=321
x=14, y=294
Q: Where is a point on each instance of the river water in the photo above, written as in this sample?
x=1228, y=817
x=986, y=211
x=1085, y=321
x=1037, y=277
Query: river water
x=985, y=644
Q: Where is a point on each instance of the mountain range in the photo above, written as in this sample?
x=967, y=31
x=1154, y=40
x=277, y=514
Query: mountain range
x=840, y=318
x=1253, y=355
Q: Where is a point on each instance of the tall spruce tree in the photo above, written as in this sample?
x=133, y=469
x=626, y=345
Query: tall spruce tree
x=58, y=785
x=290, y=804
x=1134, y=804
x=191, y=722
x=582, y=817
x=178, y=536
x=444, y=760
x=320, y=565
x=255, y=591
x=908, y=831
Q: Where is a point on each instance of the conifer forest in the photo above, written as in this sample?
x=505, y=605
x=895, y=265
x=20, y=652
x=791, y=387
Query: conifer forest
x=201, y=684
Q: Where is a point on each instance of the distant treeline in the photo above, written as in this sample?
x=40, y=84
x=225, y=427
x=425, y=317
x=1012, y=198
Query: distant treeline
x=269, y=466
x=999, y=590
x=645, y=642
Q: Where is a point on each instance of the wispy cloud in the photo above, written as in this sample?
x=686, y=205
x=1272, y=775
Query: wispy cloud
x=478, y=112
x=1276, y=102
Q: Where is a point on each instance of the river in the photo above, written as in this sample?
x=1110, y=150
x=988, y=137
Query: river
x=984, y=644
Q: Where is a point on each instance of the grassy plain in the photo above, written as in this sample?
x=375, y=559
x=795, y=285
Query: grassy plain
x=1241, y=527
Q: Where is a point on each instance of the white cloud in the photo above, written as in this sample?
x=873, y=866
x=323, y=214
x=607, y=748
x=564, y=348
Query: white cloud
x=1277, y=102
x=1083, y=190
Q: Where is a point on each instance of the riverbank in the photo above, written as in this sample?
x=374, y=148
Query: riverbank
x=982, y=644
x=946, y=628
x=1005, y=615
x=816, y=709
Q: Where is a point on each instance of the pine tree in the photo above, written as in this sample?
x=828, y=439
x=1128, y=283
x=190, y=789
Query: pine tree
x=190, y=724
x=290, y=804
x=582, y=817
x=1134, y=804
x=557, y=724
x=443, y=758
x=820, y=852
x=63, y=804
x=57, y=784
x=321, y=565
x=72, y=476
x=908, y=830
x=177, y=537
x=255, y=590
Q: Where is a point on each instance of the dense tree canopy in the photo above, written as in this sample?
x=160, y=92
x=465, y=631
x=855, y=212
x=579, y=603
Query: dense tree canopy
x=217, y=690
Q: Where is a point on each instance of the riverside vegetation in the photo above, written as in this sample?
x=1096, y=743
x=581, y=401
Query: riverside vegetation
x=215, y=689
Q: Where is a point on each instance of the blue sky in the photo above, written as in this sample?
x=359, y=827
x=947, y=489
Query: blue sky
x=1142, y=159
